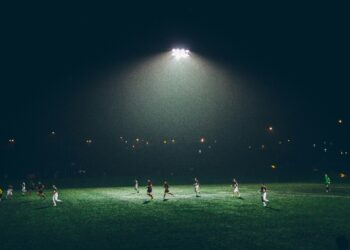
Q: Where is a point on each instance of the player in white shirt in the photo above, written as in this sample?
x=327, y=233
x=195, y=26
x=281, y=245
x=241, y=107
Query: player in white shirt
x=55, y=196
x=9, y=193
x=235, y=189
x=263, y=192
x=24, y=190
x=136, y=186
x=196, y=187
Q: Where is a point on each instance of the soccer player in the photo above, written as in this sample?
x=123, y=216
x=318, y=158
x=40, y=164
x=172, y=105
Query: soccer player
x=263, y=192
x=235, y=189
x=40, y=188
x=166, y=190
x=327, y=182
x=24, y=190
x=149, y=189
x=9, y=193
x=31, y=187
x=0, y=194
x=196, y=187
x=136, y=186
x=55, y=196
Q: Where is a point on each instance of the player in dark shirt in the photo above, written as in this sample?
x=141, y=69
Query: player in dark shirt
x=149, y=189
x=166, y=190
x=40, y=188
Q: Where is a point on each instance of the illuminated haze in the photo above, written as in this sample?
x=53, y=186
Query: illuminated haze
x=167, y=97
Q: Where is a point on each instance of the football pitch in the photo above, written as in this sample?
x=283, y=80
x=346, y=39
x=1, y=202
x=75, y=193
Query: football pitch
x=299, y=216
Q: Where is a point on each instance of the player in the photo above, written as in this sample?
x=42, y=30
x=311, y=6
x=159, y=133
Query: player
x=136, y=186
x=40, y=188
x=235, y=189
x=55, y=196
x=31, y=187
x=24, y=190
x=166, y=190
x=1, y=194
x=196, y=187
x=9, y=193
x=263, y=192
x=149, y=189
x=327, y=182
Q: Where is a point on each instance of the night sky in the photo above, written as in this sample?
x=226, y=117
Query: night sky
x=66, y=68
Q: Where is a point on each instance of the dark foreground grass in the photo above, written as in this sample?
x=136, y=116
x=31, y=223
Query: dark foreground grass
x=301, y=216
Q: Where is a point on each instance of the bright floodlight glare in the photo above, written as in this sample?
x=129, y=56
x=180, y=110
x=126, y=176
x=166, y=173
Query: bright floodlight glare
x=180, y=53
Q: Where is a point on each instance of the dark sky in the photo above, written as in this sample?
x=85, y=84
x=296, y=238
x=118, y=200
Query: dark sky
x=297, y=55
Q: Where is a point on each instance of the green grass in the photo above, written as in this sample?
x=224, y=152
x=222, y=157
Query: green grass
x=301, y=216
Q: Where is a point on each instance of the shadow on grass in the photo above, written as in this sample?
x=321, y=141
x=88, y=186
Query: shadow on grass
x=241, y=198
x=43, y=207
x=147, y=201
x=165, y=199
x=273, y=209
x=25, y=202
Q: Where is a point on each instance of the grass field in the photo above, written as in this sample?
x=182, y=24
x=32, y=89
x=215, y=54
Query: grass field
x=301, y=216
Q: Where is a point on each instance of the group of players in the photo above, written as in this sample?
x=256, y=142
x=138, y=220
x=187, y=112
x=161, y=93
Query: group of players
x=234, y=186
x=39, y=188
x=196, y=185
x=235, y=190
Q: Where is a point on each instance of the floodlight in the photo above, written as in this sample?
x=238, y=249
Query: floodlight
x=180, y=53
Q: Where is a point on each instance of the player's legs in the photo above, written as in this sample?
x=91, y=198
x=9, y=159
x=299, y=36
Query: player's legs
x=54, y=201
x=56, y=198
x=150, y=195
x=264, y=199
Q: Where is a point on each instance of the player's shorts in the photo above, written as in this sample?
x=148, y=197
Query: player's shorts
x=41, y=191
x=149, y=190
x=166, y=191
x=235, y=190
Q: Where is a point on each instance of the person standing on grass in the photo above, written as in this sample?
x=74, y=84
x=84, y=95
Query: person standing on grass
x=150, y=189
x=9, y=193
x=55, y=196
x=1, y=194
x=24, y=190
x=196, y=187
x=235, y=189
x=31, y=187
x=263, y=192
x=136, y=186
x=327, y=182
x=166, y=190
x=41, y=190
